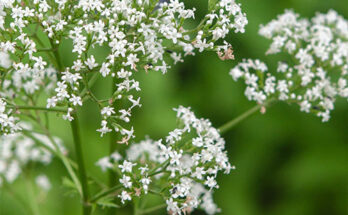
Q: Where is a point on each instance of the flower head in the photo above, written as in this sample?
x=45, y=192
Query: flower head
x=318, y=73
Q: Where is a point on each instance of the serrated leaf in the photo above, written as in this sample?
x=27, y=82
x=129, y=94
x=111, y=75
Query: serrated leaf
x=67, y=183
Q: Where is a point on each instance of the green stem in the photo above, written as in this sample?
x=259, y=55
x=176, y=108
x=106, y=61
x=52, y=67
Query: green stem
x=60, y=155
x=91, y=82
x=56, y=55
x=62, y=110
x=81, y=167
x=105, y=193
x=112, y=148
x=136, y=206
x=162, y=167
x=200, y=25
x=229, y=125
x=153, y=209
x=34, y=36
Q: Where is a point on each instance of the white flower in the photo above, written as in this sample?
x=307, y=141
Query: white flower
x=104, y=70
x=126, y=166
x=43, y=182
x=145, y=182
x=116, y=156
x=68, y=115
x=191, y=169
x=104, y=129
x=90, y=62
x=126, y=181
x=210, y=182
x=125, y=197
x=17, y=150
x=104, y=163
x=312, y=44
x=8, y=123
x=51, y=102
x=199, y=173
x=305, y=106
x=172, y=207
x=143, y=170
x=5, y=60
x=107, y=111
x=78, y=65
x=75, y=100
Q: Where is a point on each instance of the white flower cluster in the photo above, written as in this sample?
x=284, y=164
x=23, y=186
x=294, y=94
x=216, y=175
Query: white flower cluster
x=188, y=162
x=5, y=60
x=138, y=35
x=66, y=91
x=17, y=150
x=318, y=73
x=8, y=123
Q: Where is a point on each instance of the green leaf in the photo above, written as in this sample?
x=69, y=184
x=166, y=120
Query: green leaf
x=70, y=185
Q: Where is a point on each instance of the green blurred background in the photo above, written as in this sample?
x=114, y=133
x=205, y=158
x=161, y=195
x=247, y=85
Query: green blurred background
x=288, y=162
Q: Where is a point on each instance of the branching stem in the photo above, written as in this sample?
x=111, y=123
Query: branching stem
x=62, y=110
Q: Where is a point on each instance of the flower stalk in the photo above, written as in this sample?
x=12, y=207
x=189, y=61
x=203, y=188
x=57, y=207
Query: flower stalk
x=105, y=193
x=61, y=110
x=231, y=124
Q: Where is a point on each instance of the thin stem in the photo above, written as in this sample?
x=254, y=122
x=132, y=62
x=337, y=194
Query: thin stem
x=136, y=206
x=34, y=36
x=60, y=155
x=37, y=141
x=162, y=167
x=81, y=167
x=56, y=55
x=229, y=125
x=112, y=149
x=91, y=82
x=153, y=209
x=62, y=110
x=112, y=141
x=197, y=28
x=105, y=193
